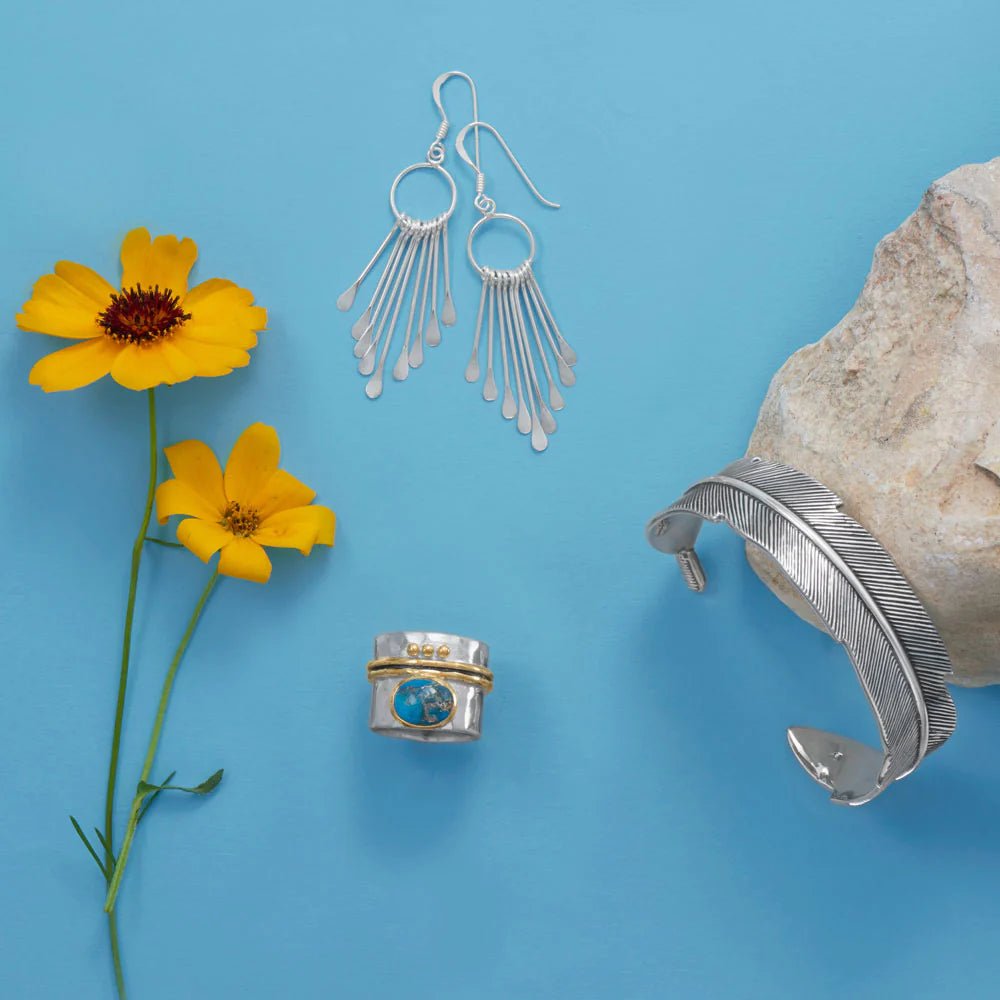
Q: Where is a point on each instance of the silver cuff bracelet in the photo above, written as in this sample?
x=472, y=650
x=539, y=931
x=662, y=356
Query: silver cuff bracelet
x=429, y=686
x=857, y=592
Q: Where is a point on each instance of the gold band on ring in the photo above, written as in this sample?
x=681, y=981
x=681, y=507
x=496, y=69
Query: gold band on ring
x=380, y=668
x=413, y=661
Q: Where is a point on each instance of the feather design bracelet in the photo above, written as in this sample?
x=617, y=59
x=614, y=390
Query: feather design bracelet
x=858, y=593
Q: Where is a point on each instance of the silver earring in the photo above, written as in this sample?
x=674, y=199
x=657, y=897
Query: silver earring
x=511, y=303
x=416, y=263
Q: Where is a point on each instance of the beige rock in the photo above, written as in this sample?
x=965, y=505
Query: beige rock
x=897, y=409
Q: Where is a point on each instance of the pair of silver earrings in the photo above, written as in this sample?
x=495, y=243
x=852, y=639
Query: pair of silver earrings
x=512, y=308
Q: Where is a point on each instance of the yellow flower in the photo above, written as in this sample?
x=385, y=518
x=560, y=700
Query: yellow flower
x=153, y=331
x=253, y=504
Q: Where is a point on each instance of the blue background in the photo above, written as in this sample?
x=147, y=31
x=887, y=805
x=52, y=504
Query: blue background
x=632, y=825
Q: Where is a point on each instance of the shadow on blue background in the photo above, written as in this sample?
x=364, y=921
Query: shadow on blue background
x=632, y=825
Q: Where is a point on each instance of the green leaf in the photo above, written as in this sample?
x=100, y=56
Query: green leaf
x=86, y=843
x=163, y=542
x=152, y=798
x=144, y=788
x=104, y=843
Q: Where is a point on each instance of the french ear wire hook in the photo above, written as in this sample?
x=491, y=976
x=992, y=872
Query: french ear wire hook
x=437, y=149
x=484, y=203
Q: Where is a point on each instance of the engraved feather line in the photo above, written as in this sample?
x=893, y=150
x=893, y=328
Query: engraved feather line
x=862, y=591
x=898, y=726
x=821, y=508
x=845, y=613
x=883, y=624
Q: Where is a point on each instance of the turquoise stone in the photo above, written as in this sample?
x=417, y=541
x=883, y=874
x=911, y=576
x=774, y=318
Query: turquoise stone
x=423, y=702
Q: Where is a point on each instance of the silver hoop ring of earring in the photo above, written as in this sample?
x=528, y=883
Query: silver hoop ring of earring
x=501, y=217
x=438, y=220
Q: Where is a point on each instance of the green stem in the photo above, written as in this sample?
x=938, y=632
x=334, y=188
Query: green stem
x=116, y=954
x=164, y=542
x=116, y=738
x=154, y=741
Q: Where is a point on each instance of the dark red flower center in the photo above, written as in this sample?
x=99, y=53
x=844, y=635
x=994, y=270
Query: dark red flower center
x=142, y=315
x=239, y=520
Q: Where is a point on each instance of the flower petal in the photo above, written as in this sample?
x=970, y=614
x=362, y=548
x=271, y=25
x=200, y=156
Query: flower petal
x=298, y=528
x=60, y=309
x=86, y=281
x=211, y=359
x=217, y=298
x=183, y=367
x=165, y=261
x=244, y=558
x=203, y=538
x=280, y=492
x=177, y=497
x=223, y=313
x=194, y=463
x=76, y=366
x=252, y=462
x=146, y=366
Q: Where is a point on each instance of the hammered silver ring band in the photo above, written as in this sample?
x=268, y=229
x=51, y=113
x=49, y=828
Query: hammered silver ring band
x=429, y=686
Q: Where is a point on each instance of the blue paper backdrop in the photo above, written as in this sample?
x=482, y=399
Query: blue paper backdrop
x=632, y=826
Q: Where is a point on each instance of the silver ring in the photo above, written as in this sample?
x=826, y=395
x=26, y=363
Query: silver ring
x=527, y=262
x=429, y=686
x=858, y=593
x=423, y=166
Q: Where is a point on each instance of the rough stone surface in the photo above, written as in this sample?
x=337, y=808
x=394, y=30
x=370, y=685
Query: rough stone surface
x=897, y=409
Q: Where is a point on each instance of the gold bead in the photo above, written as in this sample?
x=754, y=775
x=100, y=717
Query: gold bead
x=428, y=650
x=444, y=652
x=413, y=649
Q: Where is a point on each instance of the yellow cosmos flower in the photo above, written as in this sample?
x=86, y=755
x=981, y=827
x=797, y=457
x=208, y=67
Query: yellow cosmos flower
x=153, y=331
x=252, y=504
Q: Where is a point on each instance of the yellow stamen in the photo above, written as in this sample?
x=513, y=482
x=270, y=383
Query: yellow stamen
x=240, y=521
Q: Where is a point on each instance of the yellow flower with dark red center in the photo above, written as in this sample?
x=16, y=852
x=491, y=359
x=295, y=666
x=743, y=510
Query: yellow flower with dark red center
x=153, y=331
x=253, y=504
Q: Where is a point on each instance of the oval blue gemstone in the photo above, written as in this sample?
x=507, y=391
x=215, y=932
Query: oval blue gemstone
x=423, y=702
